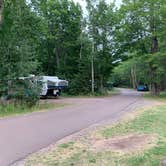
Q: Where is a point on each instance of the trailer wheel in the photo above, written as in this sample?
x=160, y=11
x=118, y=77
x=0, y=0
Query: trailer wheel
x=43, y=97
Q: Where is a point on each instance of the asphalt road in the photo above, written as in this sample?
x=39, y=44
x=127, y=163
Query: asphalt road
x=22, y=135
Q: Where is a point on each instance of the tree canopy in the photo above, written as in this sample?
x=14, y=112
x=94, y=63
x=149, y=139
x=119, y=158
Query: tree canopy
x=124, y=45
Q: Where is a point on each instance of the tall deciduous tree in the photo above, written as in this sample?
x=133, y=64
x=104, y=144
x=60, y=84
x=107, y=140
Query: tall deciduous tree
x=60, y=46
x=141, y=27
x=102, y=23
x=18, y=42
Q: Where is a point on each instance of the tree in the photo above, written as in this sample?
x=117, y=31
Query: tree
x=102, y=22
x=18, y=43
x=65, y=47
x=60, y=45
x=141, y=28
x=81, y=83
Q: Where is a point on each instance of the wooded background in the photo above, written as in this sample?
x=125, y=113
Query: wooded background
x=126, y=44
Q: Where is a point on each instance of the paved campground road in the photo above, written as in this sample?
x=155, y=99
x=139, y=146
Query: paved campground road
x=22, y=135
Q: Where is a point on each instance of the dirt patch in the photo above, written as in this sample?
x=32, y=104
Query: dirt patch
x=125, y=144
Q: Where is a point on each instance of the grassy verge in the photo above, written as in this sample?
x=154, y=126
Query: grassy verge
x=11, y=109
x=106, y=93
x=80, y=152
x=162, y=96
x=150, y=122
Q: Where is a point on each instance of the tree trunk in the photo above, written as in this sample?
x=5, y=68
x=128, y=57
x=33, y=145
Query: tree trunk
x=81, y=47
x=57, y=58
x=155, y=87
x=133, y=78
x=154, y=47
x=0, y=12
x=101, y=84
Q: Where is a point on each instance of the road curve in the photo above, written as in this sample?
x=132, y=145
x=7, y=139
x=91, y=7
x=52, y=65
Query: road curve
x=23, y=135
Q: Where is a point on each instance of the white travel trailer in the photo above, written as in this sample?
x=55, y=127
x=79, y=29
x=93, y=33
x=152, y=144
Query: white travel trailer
x=50, y=85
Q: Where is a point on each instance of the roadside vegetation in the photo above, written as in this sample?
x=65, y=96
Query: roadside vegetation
x=161, y=97
x=138, y=141
x=108, y=92
x=8, y=110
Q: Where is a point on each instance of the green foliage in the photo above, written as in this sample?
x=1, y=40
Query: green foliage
x=140, y=29
x=52, y=38
x=101, y=23
x=27, y=92
x=81, y=81
x=122, y=75
x=60, y=45
x=18, y=46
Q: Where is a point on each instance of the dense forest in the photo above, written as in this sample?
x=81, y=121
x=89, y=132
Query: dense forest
x=122, y=46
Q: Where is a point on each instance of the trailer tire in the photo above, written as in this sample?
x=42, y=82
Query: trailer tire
x=43, y=97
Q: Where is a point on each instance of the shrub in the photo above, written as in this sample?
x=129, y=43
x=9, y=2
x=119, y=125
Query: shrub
x=23, y=92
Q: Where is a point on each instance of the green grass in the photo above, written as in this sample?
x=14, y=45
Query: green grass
x=66, y=145
x=11, y=109
x=106, y=93
x=162, y=96
x=152, y=121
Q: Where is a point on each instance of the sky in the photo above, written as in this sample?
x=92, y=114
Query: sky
x=83, y=3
